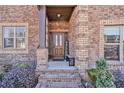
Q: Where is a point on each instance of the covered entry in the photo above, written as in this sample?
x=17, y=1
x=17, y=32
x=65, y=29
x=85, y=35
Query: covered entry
x=58, y=26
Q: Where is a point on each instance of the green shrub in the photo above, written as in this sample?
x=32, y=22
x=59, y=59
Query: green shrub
x=1, y=76
x=101, y=64
x=93, y=73
x=101, y=76
x=7, y=67
x=105, y=80
x=23, y=65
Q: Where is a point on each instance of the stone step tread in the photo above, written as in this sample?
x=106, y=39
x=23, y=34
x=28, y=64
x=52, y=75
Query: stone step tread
x=63, y=86
x=62, y=71
x=60, y=86
x=63, y=79
x=56, y=77
x=65, y=69
x=62, y=75
x=67, y=83
x=62, y=67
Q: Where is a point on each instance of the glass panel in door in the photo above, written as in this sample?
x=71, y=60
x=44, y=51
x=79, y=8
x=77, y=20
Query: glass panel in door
x=60, y=40
x=56, y=40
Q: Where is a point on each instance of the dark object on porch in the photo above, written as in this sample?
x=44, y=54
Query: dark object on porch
x=71, y=60
x=66, y=48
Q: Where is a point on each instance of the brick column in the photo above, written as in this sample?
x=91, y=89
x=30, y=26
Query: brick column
x=82, y=42
x=42, y=51
x=42, y=60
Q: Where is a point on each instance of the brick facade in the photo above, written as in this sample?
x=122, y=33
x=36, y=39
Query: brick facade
x=85, y=33
x=79, y=38
x=100, y=16
x=17, y=15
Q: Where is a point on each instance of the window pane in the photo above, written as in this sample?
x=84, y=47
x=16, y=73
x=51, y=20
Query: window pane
x=111, y=34
x=8, y=32
x=56, y=40
x=8, y=42
x=61, y=39
x=20, y=31
x=20, y=43
x=111, y=52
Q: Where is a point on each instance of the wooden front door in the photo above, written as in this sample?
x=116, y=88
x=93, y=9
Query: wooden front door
x=58, y=46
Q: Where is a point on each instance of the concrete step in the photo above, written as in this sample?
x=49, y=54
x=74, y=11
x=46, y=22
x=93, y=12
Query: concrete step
x=63, y=79
x=58, y=71
x=61, y=75
x=63, y=85
x=54, y=81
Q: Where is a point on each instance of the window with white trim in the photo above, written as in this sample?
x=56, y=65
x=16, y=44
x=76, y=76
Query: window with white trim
x=14, y=37
x=114, y=43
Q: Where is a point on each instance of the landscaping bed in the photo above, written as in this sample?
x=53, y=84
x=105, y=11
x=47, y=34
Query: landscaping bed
x=119, y=78
x=21, y=75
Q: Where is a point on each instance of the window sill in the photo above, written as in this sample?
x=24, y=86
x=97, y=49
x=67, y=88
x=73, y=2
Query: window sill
x=118, y=63
x=15, y=51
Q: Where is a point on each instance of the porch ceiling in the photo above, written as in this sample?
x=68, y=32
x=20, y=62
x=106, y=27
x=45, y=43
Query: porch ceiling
x=59, y=13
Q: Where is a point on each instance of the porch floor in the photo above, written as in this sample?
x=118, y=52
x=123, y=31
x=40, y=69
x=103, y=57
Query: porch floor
x=64, y=65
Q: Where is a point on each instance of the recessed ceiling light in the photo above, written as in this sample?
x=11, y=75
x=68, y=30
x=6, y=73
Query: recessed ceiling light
x=58, y=15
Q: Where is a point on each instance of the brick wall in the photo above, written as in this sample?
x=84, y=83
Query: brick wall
x=86, y=34
x=17, y=15
x=86, y=41
x=79, y=38
x=98, y=17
